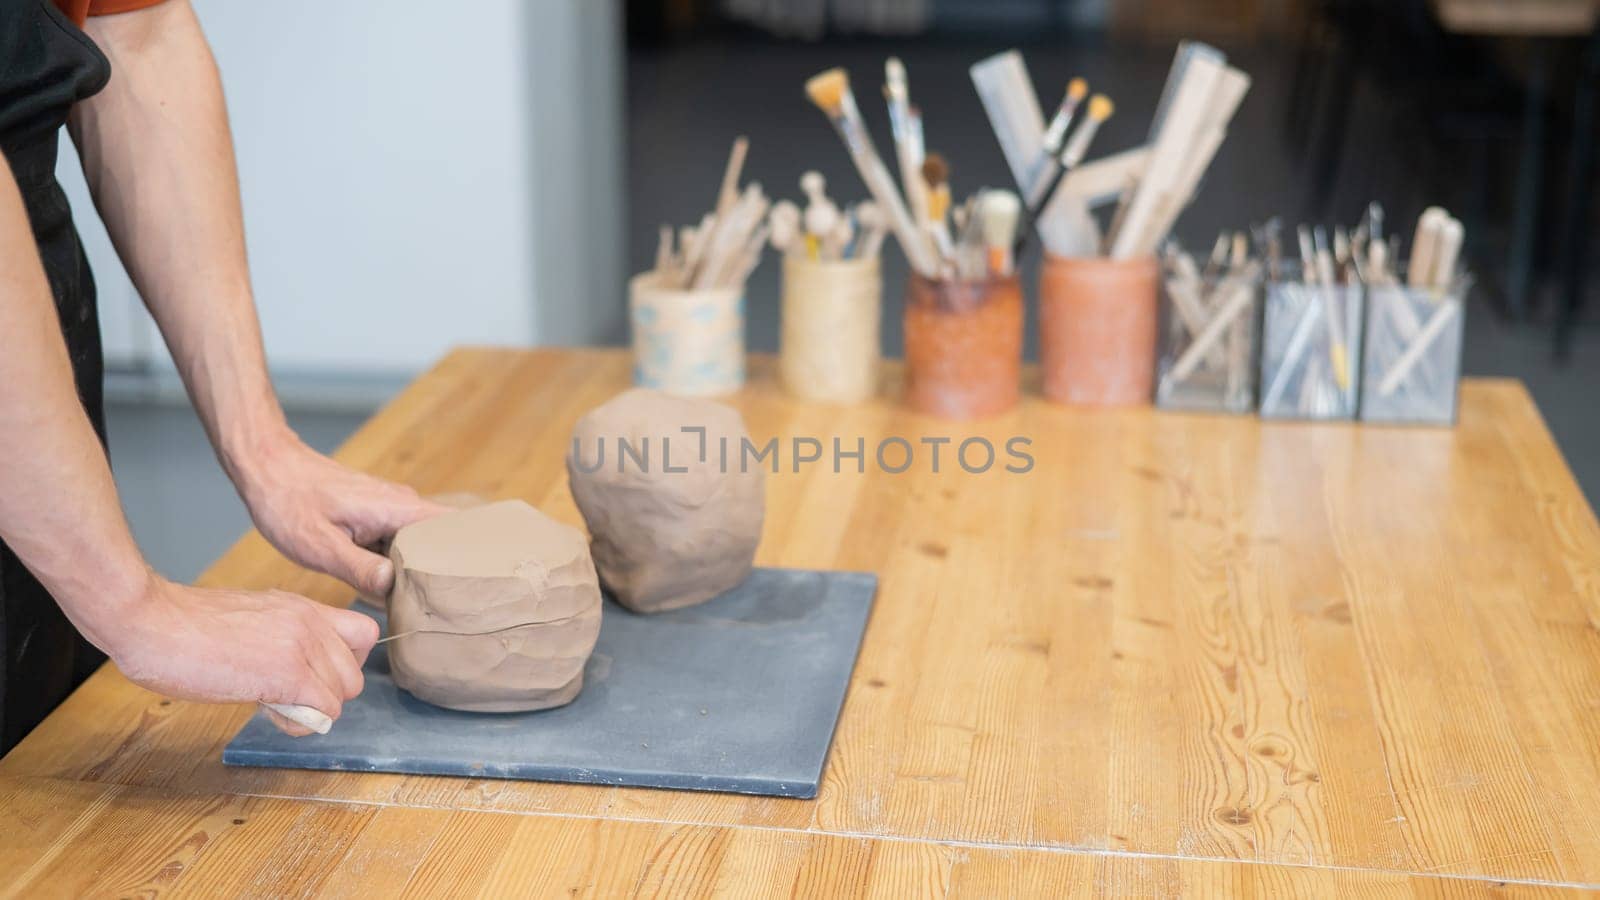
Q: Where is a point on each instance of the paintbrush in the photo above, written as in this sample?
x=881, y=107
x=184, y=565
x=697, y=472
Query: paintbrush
x=936, y=174
x=906, y=126
x=1055, y=136
x=830, y=91
x=1100, y=109
x=999, y=212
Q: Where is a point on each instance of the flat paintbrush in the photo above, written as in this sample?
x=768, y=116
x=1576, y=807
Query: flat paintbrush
x=830, y=91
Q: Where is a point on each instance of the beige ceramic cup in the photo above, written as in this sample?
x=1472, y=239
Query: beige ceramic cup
x=1097, y=330
x=828, y=345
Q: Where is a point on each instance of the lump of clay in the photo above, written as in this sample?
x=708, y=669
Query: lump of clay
x=673, y=521
x=504, y=604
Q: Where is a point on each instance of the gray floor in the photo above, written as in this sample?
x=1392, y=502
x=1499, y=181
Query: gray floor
x=688, y=102
x=182, y=508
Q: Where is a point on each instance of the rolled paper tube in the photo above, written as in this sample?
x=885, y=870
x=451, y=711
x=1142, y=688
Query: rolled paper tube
x=963, y=346
x=1407, y=360
x=304, y=716
x=829, y=350
x=687, y=342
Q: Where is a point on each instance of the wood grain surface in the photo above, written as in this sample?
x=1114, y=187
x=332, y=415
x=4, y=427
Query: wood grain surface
x=1181, y=654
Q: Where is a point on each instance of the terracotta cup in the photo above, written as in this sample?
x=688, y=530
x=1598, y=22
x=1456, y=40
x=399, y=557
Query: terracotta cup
x=963, y=346
x=1097, y=330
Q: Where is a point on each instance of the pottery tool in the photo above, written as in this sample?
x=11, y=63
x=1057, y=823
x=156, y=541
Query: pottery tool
x=999, y=212
x=729, y=194
x=830, y=91
x=821, y=214
x=783, y=224
x=1446, y=250
x=1419, y=271
x=520, y=625
x=304, y=716
x=907, y=129
x=715, y=253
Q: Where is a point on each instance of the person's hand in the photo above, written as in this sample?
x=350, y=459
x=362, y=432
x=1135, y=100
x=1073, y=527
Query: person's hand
x=221, y=646
x=325, y=516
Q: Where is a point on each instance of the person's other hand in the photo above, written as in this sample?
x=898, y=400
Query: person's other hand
x=221, y=646
x=325, y=516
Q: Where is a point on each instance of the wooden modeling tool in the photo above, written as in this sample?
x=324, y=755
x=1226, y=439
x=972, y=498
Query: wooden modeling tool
x=729, y=194
x=783, y=224
x=821, y=215
x=830, y=91
x=304, y=716
x=1419, y=271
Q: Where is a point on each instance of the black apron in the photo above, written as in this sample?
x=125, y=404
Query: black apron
x=46, y=65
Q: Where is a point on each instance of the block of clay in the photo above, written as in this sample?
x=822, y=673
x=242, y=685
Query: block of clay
x=673, y=520
x=504, y=605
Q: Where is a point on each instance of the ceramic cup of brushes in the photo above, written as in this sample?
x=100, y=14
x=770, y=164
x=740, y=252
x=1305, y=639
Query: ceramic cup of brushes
x=832, y=299
x=1210, y=325
x=687, y=314
x=1412, y=362
x=963, y=345
x=1097, y=329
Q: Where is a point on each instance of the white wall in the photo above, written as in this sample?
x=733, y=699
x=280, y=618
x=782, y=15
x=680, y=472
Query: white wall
x=391, y=159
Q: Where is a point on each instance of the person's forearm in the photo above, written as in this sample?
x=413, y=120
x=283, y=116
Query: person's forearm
x=159, y=160
x=58, y=505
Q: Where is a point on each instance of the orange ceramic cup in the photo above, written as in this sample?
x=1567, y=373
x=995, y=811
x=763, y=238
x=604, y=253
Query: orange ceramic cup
x=1097, y=330
x=963, y=346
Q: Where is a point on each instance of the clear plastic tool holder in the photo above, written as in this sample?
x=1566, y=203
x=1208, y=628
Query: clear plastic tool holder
x=1412, y=364
x=1311, y=350
x=1209, y=334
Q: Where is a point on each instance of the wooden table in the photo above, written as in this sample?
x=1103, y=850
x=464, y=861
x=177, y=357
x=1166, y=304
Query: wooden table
x=1183, y=653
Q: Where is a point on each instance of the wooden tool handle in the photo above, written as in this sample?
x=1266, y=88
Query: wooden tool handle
x=302, y=715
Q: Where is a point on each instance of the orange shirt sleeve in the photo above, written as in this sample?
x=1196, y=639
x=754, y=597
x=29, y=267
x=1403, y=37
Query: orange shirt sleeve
x=79, y=11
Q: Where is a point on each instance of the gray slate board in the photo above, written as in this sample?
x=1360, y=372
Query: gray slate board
x=739, y=694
